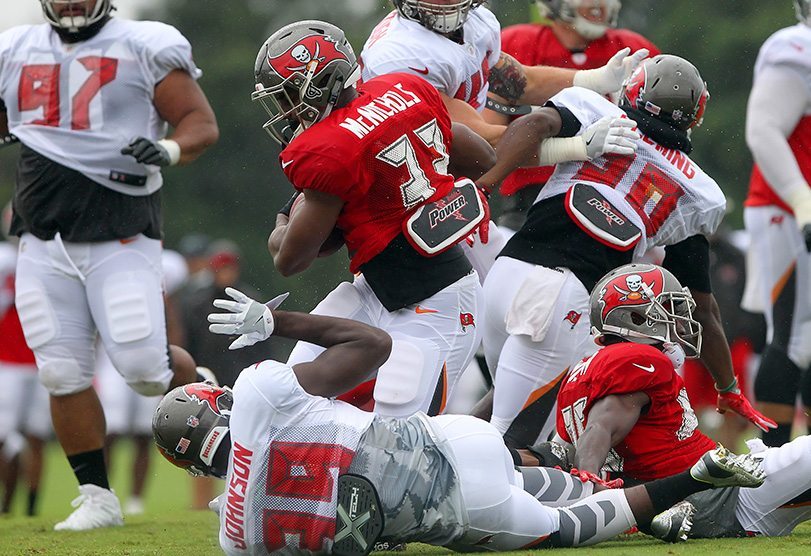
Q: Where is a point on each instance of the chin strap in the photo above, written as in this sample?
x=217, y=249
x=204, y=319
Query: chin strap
x=82, y=34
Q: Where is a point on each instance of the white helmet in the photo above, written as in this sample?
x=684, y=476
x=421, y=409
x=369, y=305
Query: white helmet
x=442, y=18
x=568, y=11
x=803, y=10
x=78, y=19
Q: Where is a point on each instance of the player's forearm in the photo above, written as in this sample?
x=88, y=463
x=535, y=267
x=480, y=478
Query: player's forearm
x=593, y=447
x=543, y=82
x=3, y=123
x=194, y=134
x=715, y=349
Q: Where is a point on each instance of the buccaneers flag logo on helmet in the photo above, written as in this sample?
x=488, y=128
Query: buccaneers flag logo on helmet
x=631, y=289
x=209, y=395
x=307, y=55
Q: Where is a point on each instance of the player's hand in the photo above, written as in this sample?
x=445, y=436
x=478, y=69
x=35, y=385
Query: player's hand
x=146, y=151
x=800, y=200
x=611, y=135
x=246, y=316
x=737, y=402
x=588, y=476
x=610, y=78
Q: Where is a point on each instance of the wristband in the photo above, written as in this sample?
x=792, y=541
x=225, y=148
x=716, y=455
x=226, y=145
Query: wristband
x=731, y=388
x=172, y=149
x=562, y=149
x=288, y=206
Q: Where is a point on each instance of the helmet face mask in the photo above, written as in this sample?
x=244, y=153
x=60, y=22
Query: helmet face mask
x=668, y=88
x=645, y=304
x=443, y=18
x=603, y=14
x=300, y=72
x=79, y=17
x=191, y=428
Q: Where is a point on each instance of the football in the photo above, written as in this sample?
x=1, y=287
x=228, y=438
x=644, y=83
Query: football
x=334, y=241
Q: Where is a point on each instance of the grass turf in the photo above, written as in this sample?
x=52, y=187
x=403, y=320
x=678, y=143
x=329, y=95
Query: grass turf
x=169, y=528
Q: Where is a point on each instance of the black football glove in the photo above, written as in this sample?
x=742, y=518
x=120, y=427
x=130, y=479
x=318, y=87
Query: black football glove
x=552, y=454
x=806, y=231
x=147, y=152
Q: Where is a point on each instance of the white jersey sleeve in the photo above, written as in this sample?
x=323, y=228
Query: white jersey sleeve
x=660, y=190
x=80, y=106
x=790, y=48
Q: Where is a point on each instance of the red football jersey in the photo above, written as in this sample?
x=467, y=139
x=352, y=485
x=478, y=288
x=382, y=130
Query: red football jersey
x=13, y=348
x=384, y=154
x=665, y=440
x=536, y=45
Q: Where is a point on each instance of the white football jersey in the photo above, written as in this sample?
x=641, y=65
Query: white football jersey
x=790, y=47
x=399, y=45
x=80, y=104
x=8, y=265
x=288, y=448
x=660, y=190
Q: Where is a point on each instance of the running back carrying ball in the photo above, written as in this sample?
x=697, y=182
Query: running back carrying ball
x=334, y=241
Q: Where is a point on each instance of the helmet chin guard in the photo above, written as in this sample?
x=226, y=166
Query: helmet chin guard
x=78, y=17
x=441, y=18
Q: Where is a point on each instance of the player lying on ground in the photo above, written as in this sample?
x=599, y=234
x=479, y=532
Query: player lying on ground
x=280, y=442
x=626, y=410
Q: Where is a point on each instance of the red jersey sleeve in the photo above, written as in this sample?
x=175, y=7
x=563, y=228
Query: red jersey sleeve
x=314, y=167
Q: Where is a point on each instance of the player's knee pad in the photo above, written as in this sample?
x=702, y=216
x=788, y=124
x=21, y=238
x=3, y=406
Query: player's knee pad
x=126, y=306
x=37, y=315
x=62, y=377
x=399, y=381
x=146, y=370
x=778, y=378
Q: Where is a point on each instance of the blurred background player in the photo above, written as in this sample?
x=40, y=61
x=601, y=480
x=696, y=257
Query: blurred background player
x=127, y=413
x=778, y=218
x=90, y=98
x=578, y=34
x=25, y=420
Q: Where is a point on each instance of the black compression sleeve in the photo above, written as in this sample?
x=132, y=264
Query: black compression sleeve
x=570, y=125
x=689, y=261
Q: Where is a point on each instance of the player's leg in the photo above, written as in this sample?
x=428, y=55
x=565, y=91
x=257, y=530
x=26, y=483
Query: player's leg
x=482, y=256
x=433, y=343
x=141, y=429
x=784, y=265
x=782, y=502
x=12, y=378
x=549, y=331
x=58, y=327
x=553, y=487
x=38, y=429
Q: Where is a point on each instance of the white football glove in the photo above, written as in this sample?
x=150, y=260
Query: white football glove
x=610, y=78
x=247, y=317
x=611, y=135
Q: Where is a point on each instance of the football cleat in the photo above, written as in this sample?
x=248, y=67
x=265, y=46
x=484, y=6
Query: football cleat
x=674, y=524
x=359, y=517
x=722, y=468
x=96, y=507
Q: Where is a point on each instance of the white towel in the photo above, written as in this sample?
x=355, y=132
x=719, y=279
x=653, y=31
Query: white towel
x=531, y=311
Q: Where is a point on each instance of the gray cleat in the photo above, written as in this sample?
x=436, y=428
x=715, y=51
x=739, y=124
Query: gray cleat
x=674, y=524
x=722, y=468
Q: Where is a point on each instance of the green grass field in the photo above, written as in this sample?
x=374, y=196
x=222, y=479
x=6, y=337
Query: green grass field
x=169, y=528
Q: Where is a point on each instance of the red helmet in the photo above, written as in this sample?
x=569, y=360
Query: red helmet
x=646, y=304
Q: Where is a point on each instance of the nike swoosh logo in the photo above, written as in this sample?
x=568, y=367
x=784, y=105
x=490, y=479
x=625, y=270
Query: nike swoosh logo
x=649, y=369
x=421, y=311
x=286, y=164
x=423, y=71
x=589, y=141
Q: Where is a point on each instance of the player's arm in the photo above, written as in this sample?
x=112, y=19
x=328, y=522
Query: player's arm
x=768, y=126
x=181, y=102
x=610, y=420
x=3, y=119
x=354, y=351
x=689, y=261
x=471, y=156
x=463, y=113
x=296, y=241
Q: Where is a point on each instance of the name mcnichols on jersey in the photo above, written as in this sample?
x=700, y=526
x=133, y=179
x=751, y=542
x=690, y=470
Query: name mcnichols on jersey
x=379, y=110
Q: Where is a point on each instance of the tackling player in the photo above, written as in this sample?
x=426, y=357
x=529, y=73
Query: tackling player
x=306, y=473
x=627, y=412
x=90, y=97
x=597, y=215
x=778, y=218
x=580, y=34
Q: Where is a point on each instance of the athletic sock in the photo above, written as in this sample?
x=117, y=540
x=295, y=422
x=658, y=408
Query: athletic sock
x=89, y=468
x=779, y=436
x=665, y=492
x=31, y=508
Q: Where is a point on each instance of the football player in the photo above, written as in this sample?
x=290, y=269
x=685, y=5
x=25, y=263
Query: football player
x=89, y=97
x=579, y=34
x=375, y=161
x=626, y=411
x=593, y=216
x=306, y=473
x=778, y=218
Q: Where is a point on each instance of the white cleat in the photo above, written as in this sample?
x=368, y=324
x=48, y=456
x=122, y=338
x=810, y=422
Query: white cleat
x=722, y=468
x=674, y=524
x=96, y=507
x=134, y=506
